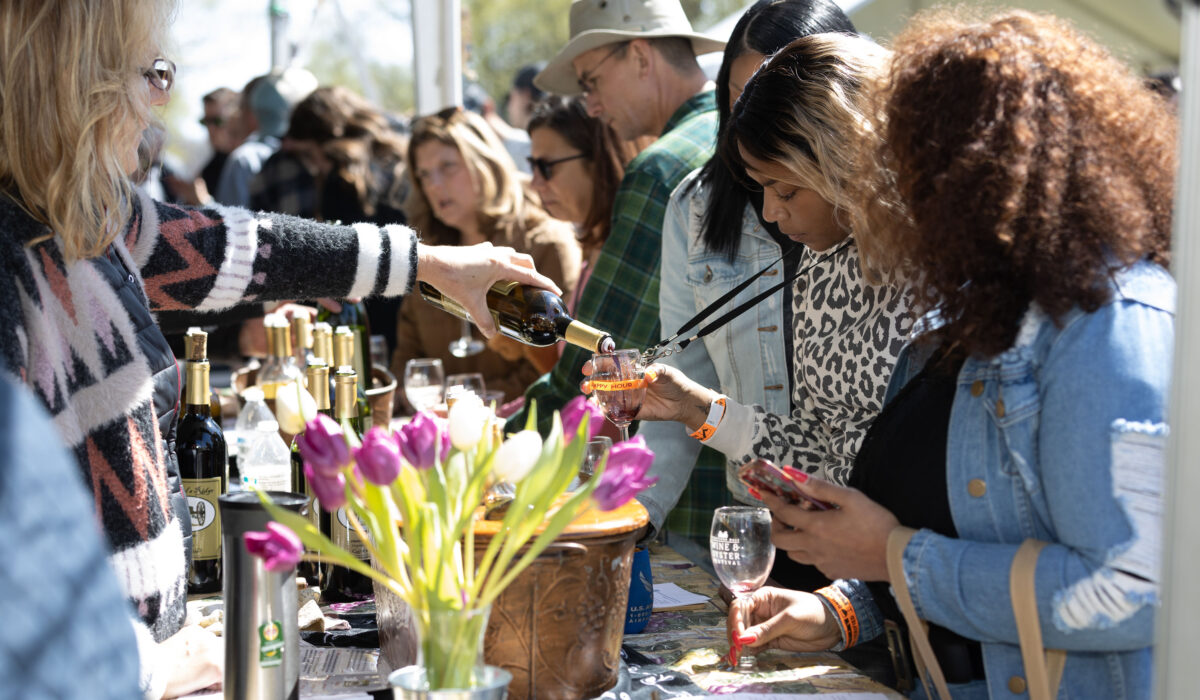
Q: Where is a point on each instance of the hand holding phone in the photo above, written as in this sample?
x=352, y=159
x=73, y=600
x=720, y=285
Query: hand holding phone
x=765, y=477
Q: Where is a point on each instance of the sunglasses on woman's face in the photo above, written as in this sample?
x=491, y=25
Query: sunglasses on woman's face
x=161, y=75
x=546, y=167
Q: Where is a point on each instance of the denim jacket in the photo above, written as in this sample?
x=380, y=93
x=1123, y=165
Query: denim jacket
x=1059, y=438
x=746, y=359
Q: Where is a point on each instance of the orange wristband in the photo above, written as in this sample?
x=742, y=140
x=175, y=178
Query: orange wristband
x=716, y=413
x=847, y=618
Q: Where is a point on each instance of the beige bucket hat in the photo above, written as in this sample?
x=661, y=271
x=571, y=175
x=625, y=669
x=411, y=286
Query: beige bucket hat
x=595, y=23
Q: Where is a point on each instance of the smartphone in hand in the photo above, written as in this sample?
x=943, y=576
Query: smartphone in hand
x=765, y=477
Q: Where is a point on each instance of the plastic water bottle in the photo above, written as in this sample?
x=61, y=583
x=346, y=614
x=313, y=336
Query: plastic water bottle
x=267, y=461
x=254, y=412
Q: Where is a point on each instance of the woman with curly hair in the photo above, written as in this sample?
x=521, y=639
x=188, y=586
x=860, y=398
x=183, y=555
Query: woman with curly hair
x=465, y=190
x=1031, y=404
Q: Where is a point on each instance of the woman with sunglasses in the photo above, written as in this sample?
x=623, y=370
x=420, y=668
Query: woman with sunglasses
x=577, y=163
x=466, y=190
x=87, y=261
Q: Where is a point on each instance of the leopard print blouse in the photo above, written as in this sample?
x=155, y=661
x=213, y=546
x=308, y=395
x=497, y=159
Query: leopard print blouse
x=848, y=334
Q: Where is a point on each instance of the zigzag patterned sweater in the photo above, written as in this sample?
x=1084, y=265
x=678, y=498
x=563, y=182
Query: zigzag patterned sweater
x=68, y=336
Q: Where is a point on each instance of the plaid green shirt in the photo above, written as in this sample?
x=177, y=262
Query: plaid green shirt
x=621, y=296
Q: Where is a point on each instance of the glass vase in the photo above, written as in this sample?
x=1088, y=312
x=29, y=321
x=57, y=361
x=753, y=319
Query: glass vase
x=450, y=657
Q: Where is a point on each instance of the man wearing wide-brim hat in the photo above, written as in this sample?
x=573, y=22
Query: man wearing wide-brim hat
x=634, y=62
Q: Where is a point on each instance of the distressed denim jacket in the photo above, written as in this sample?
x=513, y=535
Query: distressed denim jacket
x=1059, y=438
x=746, y=359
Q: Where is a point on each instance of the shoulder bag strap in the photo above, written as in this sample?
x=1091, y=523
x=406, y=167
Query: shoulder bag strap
x=1042, y=673
x=927, y=664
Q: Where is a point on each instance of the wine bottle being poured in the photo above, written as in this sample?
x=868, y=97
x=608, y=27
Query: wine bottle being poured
x=529, y=314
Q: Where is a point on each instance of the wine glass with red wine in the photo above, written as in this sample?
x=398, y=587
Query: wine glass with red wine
x=619, y=384
x=742, y=555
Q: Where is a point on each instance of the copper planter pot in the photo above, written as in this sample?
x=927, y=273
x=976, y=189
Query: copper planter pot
x=557, y=628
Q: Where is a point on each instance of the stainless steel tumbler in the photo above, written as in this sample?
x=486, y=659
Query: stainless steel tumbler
x=262, y=640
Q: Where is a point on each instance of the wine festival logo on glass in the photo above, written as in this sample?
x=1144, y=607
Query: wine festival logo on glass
x=742, y=555
x=619, y=384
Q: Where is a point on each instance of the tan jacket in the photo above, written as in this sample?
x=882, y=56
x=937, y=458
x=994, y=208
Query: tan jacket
x=423, y=330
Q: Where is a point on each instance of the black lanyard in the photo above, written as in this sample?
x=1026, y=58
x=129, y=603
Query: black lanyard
x=672, y=345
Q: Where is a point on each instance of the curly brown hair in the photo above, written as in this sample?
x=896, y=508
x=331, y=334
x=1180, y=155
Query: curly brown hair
x=1033, y=165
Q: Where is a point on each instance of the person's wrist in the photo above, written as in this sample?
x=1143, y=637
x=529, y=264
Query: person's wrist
x=427, y=262
x=695, y=408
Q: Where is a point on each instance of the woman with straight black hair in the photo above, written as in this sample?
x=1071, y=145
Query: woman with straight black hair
x=714, y=237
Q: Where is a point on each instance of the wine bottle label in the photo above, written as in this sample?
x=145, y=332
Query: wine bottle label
x=345, y=537
x=202, y=497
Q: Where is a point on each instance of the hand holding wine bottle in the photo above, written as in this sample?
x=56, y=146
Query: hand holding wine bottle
x=466, y=273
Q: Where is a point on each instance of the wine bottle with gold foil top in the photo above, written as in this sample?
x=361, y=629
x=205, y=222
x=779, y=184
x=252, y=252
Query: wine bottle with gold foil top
x=317, y=375
x=200, y=448
x=353, y=315
x=302, y=340
x=344, y=347
x=342, y=584
x=528, y=314
x=280, y=367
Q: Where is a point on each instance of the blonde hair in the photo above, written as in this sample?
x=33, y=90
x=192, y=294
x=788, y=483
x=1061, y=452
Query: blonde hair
x=810, y=108
x=505, y=202
x=68, y=104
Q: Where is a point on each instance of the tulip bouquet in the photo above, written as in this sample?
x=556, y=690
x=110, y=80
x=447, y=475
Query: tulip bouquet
x=430, y=478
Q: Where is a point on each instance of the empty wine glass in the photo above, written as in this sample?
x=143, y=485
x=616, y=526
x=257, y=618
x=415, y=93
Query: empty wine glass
x=596, y=452
x=424, y=382
x=469, y=381
x=742, y=555
x=466, y=344
x=619, y=384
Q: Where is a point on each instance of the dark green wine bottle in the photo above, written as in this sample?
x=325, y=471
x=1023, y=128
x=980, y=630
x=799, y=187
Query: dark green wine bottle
x=342, y=584
x=353, y=317
x=344, y=355
x=317, y=375
x=200, y=448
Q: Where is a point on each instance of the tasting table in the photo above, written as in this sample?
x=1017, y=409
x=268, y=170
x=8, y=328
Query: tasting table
x=679, y=654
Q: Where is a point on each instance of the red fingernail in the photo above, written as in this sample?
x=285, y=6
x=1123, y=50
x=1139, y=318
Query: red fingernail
x=747, y=639
x=796, y=473
x=755, y=493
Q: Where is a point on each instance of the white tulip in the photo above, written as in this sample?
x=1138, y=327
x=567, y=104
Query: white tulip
x=293, y=406
x=467, y=417
x=517, y=456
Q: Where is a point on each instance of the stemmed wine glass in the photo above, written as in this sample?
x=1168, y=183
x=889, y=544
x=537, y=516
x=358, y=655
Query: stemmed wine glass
x=742, y=555
x=466, y=344
x=424, y=382
x=619, y=384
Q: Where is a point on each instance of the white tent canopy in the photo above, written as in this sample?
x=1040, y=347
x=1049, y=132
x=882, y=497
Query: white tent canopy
x=1142, y=32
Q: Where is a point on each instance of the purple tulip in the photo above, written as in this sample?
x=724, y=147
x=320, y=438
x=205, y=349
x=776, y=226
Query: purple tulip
x=577, y=410
x=625, y=475
x=323, y=446
x=423, y=441
x=329, y=490
x=379, y=457
x=278, y=547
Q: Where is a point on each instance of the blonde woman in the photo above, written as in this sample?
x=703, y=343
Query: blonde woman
x=797, y=131
x=466, y=190
x=87, y=261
